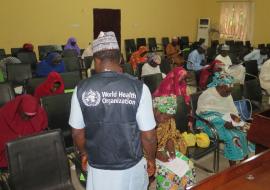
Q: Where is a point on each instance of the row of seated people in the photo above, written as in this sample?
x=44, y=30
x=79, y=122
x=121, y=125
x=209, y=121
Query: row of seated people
x=165, y=106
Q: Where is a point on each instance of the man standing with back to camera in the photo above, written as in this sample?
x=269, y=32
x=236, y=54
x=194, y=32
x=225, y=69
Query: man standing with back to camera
x=113, y=122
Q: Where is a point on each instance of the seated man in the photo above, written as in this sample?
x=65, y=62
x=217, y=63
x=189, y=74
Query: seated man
x=224, y=57
x=152, y=65
x=260, y=55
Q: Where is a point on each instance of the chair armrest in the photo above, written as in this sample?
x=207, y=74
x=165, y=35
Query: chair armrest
x=211, y=127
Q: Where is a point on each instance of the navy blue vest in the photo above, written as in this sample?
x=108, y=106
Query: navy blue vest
x=109, y=103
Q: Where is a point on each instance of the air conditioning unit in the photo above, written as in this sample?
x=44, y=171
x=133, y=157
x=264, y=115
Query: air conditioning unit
x=203, y=30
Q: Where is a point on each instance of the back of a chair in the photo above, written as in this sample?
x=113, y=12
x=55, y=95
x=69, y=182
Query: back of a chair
x=165, y=41
x=6, y=93
x=19, y=73
x=87, y=61
x=38, y=162
x=184, y=42
x=251, y=68
x=2, y=53
x=44, y=50
x=253, y=91
x=70, y=53
x=32, y=84
x=152, y=43
x=237, y=92
x=261, y=46
x=152, y=81
x=140, y=42
x=194, y=102
x=15, y=51
x=71, y=79
x=181, y=116
x=71, y=63
x=130, y=45
x=28, y=57
x=58, y=110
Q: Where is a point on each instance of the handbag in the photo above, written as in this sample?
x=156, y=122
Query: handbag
x=244, y=108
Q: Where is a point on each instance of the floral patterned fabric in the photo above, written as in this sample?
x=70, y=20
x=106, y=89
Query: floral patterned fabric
x=166, y=104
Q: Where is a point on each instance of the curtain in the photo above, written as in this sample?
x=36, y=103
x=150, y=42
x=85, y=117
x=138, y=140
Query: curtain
x=236, y=20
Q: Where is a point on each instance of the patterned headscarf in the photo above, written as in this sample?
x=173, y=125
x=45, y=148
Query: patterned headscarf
x=152, y=57
x=165, y=104
x=220, y=79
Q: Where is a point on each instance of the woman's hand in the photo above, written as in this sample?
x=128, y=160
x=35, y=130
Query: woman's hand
x=170, y=148
x=151, y=167
x=84, y=159
x=228, y=125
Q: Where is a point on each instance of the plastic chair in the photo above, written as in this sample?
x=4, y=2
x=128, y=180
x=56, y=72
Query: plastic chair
x=251, y=69
x=44, y=50
x=253, y=92
x=15, y=51
x=28, y=57
x=152, y=44
x=2, y=53
x=70, y=53
x=140, y=42
x=18, y=74
x=237, y=92
x=6, y=93
x=32, y=84
x=58, y=110
x=152, y=81
x=71, y=79
x=196, y=152
x=39, y=162
x=71, y=63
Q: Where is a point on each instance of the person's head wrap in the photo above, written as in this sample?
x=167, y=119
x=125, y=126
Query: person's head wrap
x=220, y=79
x=152, y=57
x=29, y=105
x=203, y=46
x=105, y=41
x=165, y=104
x=225, y=47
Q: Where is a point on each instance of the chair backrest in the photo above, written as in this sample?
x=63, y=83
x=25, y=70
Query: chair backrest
x=152, y=81
x=184, y=42
x=261, y=46
x=87, y=61
x=214, y=43
x=130, y=45
x=71, y=79
x=38, y=162
x=71, y=63
x=251, y=68
x=70, y=53
x=237, y=92
x=15, y=51
x=165, y=41
x=28, y=57
x=44, y=50
x=2, y=53
x=253, y=91
x=229, y=42
x=152, y=44
x=248, y=44
x=19, y=73
x=140, y=42
x=181, y=116
x=58, y=110
x=32, y=84
x=194, y=102
x=6, y=93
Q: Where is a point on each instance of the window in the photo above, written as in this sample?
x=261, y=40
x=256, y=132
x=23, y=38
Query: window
x=236, y=20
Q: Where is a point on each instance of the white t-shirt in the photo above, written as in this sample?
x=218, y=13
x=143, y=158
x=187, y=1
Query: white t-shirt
x=225, y=60
x=238, y=72
x=149, y=70
x=144, y=116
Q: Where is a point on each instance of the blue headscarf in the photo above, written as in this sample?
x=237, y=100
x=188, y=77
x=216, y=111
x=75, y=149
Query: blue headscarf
x=46, y=66
x=70, y=46
x=220, y=79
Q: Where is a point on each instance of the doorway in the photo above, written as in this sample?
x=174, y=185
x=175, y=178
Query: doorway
x=107, y=20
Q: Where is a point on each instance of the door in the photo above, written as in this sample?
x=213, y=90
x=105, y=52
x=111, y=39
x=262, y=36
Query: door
x=107, y=20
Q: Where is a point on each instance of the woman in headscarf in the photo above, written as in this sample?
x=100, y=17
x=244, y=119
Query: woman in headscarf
x=152, y=65
x=72, y=44
x=138, y=57
x=207, y=73
x=174, y=83
x=19, y=117
x=265, y=76
x=52, y=86
x=216, y=105
x=28, y=47
x=171, y=145
x=53, y=62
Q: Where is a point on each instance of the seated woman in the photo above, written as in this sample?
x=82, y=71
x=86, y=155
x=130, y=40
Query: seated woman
x=19, y=117
x=171, y=145
x=52, y=86
x=53, y=62
x=72, y=44
x=216, y=105
x=137, y=58
x=152, y=65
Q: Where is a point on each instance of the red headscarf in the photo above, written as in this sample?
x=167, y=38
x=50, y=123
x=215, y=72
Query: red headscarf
x=44, y=89
x=137, y=57
x=173, y=84
x=28, y=47
x=206, y=72
x=12, y=124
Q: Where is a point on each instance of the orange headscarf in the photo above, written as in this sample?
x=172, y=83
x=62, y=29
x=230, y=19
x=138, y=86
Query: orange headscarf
x=136, y=57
